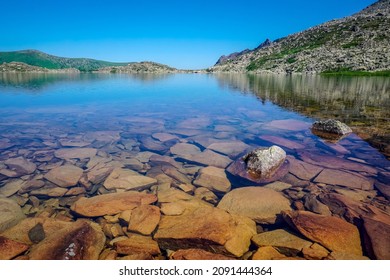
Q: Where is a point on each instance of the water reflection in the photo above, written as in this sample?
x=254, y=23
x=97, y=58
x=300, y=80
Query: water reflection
x=361, y=102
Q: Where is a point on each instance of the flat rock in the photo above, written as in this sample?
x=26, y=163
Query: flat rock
x=163, y=137
x=111, y=204
x=128, y=180
x=49, y=191
x=175, y=174
x=208, y=157
x=75, y=153
x=383, y=189
x=231, y=148
x=303, y=170
x=333, y=162
x=144, y=219
x=197, y=254
x=268, y=253
x=137, y=244
x=10, y=213
x=184, y=149
x=346, y=179
x=11, y=187
x=202, y=226
x=21, y=166
x=213, y=178
x=377, y=238
x=286, y=242
x=282, y=142
x=263, y=205
x=157, y=159
x=9, y=248
x=148, y=143
x=206, y=195
x=311, y=203
x=73, y=143
x=64, y=176
x=80, y=240
x=288, y=124
x=331, y=232
x=278, y=186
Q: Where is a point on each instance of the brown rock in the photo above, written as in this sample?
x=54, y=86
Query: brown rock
x=110, y=204
x=231, y=148
x=286, y=242
x=73, y=143
x=206, y=195
x=384, y=189
x=263, y=205
x=184, y=149
x=50, y=191
x=80, y=240
x=213, y=178
x=377, y=238
x=303, y=170
x=346, y=179
x=79, y=153
x=144, y=219
x=137, y=244
x=21, y=166
x=65, y=176
x=11, y=187
x=268, y=253
x=208, y=157
x=205, y=227
x=9, y=248
x=175, y=174
x=197, y=254
x=128, y=180
x=315, y=252
x=331, y=232
x=164, y=159
x=10, y=213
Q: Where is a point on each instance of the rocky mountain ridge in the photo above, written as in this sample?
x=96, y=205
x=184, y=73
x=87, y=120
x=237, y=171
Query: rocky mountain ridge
x=356, y=43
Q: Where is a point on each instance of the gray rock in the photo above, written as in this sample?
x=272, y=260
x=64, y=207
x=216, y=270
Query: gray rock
x=331, y=129
x=264, y=162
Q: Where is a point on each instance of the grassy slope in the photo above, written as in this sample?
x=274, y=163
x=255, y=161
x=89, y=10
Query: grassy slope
x=41, y=59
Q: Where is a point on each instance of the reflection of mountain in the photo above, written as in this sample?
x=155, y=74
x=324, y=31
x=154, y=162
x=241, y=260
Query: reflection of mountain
x=36, y=81
x=361, y=102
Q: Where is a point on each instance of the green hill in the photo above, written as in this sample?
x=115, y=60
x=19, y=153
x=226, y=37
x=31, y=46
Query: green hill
x=40, y=59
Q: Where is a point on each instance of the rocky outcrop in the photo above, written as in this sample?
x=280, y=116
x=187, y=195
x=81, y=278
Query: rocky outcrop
x=358, y=42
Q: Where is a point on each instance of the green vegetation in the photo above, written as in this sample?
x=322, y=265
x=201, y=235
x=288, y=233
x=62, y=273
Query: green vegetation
x=353, y=43
x=37, y=58
x=347, y=72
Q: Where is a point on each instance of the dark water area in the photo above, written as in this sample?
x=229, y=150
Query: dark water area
x=65, y=137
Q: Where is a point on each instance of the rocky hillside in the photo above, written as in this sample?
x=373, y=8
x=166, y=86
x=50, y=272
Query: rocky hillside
x=44, y=60
x=360, y=42
x=141, y=67
x=17, y=67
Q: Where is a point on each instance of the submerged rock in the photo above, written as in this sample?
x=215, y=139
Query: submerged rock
x=197, y=254
x=10, y=248
x=212, y=178
x=331, y=232
x=262, y=205
x=10, y=213
x=80, y=240
x=110, y=204
x=20, y=166
x=64, y=176
x=199, y=225
x=128, y=180
x=331, y=129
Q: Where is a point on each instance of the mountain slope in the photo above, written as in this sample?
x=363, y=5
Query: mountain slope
x=40, y=59
x=360, y=42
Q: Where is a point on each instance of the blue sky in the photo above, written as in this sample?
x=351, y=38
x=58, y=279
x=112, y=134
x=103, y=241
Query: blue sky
x=184, y=34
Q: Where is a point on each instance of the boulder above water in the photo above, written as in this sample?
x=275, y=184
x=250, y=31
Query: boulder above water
x=262, y=165
x=330, y=129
